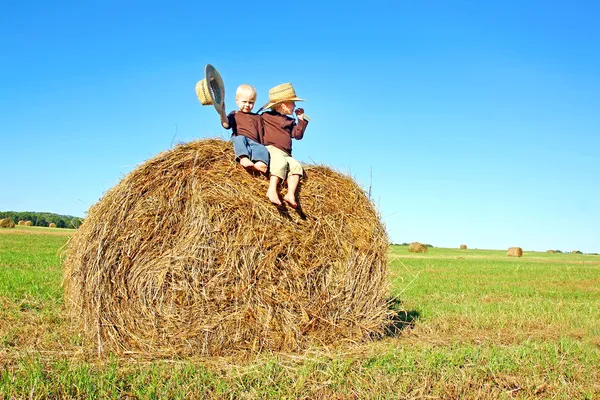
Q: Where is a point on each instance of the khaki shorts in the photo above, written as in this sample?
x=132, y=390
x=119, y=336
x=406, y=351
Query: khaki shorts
x=283, y=165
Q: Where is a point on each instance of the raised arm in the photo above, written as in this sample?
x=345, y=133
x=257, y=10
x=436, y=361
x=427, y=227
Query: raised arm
x=229, y=121
x=299, y=128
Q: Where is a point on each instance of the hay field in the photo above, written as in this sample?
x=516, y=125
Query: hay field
x=477, y=324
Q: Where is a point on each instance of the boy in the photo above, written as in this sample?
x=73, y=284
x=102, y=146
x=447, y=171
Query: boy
x=247, y=131
x=279, y=130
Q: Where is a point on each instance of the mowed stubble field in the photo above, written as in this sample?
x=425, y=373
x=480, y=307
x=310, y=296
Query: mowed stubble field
x=477, y=324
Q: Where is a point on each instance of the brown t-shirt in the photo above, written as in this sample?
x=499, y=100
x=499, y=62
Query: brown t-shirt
x=280, y=129
x=246, y=124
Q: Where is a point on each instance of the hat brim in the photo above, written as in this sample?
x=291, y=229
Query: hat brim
x=271, y=104
x=216, y=88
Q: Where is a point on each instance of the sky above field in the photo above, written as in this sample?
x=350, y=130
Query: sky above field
x=474, y=123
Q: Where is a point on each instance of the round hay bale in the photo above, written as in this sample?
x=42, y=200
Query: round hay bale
x=515, y=252
x=187, y=256
x=28, y=223
x=22, y=222
x=7, y=223
x=416, y=247
x=463, y=246
x=51, y=225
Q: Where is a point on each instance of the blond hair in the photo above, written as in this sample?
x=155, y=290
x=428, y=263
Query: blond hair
x=244, y=88
x=278, y=107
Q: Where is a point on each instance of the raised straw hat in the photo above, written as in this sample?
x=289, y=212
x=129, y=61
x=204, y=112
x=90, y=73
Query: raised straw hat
x=281, y=93
x=211, y=89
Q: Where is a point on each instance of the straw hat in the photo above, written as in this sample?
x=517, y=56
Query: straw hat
x=281, y=93
x=211, y=90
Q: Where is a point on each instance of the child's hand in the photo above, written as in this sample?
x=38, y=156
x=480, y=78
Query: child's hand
x=224, y=120
x=300, y=113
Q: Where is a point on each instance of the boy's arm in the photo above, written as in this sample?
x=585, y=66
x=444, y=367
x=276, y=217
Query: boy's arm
x=299, y=128
x=300, y=114
x=229, y=122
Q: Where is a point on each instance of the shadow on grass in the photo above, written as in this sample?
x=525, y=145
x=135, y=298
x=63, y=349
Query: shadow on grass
x=401, y=319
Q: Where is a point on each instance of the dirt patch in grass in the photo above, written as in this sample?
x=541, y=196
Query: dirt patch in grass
x=585, y=286
x=462, y=329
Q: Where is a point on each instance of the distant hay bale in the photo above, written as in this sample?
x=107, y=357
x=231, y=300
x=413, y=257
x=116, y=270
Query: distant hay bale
x=22, y=222
x=551, y=251
x=416, y=247
x=51, y=225
x=463, y=246
x=7, y=223
x=515, y=252
x=28, y=223
x=202, y=263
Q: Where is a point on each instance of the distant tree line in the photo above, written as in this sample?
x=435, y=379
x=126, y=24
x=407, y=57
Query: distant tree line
x=43, y=218
x=406, y=244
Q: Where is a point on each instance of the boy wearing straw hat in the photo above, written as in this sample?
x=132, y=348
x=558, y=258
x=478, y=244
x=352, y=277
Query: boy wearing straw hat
x=279, y=130
x=247, y=131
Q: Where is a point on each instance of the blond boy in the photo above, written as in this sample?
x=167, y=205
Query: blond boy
x=279, y=130
x=247, y=131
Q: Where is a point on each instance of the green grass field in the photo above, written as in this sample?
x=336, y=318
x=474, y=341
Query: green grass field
x=476, y=324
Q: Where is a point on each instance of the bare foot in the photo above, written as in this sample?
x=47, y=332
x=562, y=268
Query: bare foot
x=273, y=197
x=261, y=167
x=246, y=163
x=291, y=200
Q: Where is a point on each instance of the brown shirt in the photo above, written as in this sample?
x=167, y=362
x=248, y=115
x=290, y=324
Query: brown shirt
x=281, y=129
x=246, y=124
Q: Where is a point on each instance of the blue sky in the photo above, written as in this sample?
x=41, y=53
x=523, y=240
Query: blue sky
x=474, y=122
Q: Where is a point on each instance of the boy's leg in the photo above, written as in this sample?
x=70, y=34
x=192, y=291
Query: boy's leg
x=278, y=170
x=261, y=167
x=246, y=163
x=240, y=148
x=272, y=191
x=293, y=180
x=259, y=156
x=290, y=196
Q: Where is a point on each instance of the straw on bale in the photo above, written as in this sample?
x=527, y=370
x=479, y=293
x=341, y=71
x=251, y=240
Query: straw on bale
x=28, y=223
x=22, y=222
x=52, y=225
x=416, y=247
x=463, y=246
x=186, y=256
x=7, y=223
x=515, y=252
